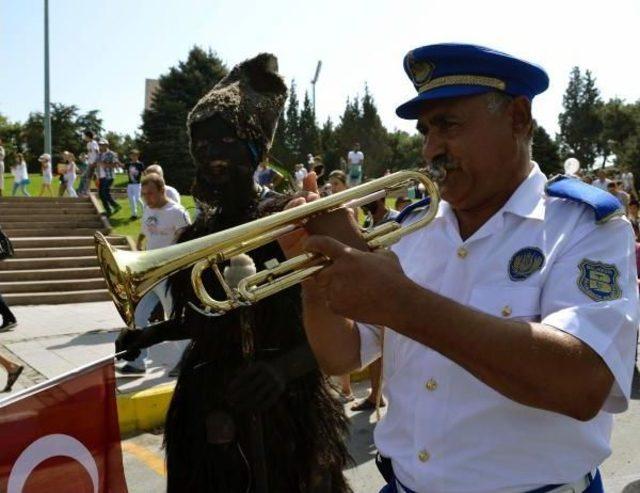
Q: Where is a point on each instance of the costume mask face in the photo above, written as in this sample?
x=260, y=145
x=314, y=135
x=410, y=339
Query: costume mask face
x=224, y=167
x=220, y=155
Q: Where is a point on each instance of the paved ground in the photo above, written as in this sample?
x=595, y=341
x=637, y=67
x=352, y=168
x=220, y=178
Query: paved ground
x=54, y=339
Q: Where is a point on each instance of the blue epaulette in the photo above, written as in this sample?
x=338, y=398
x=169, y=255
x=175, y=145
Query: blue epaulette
x=604, y=205
x=408, y=210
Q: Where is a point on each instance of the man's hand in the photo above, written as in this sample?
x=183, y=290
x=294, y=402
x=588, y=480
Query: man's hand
x=361, y=286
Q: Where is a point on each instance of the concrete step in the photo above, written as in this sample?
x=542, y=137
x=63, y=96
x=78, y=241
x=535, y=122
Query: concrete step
x=50, y=217
x=68, y=273
x=33, y=232
x=94, y=222
x=43, y=298
x=48, y=263
x=52, y=286
x=67, y=200
x=75, y=251
x=61, y=241
x=39, y=208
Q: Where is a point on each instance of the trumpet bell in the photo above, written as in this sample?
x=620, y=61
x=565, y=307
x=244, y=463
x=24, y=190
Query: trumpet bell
x=117, y=276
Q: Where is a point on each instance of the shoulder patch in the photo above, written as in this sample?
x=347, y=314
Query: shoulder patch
x=525, y=262
x=604, y=205
x=599, y=281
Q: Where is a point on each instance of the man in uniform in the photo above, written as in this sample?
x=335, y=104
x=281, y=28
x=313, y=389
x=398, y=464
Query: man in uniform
x=510, y=320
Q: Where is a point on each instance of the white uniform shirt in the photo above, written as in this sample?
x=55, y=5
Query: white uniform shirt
x=445, y=430
x=161, y=226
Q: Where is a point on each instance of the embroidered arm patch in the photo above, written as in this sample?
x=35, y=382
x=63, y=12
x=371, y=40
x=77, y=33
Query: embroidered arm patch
x=599, y=281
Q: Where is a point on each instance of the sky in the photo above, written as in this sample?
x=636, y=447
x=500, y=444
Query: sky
x=102, y=52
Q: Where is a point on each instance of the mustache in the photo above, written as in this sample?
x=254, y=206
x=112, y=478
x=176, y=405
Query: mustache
x=439, y=166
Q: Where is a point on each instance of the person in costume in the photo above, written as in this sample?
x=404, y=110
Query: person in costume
x=251, y=411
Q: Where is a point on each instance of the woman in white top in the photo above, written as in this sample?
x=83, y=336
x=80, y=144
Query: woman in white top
x=70, y=173
x=47, y=174
x=20, y=176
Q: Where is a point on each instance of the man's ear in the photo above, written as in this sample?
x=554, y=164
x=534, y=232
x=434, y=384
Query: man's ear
x=521, y=120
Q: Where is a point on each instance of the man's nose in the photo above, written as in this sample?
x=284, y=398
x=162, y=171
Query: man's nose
x=432, y=146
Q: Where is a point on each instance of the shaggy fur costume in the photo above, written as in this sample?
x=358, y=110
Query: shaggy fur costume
x=208, y=440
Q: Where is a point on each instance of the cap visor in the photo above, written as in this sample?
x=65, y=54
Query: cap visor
x=411, y=109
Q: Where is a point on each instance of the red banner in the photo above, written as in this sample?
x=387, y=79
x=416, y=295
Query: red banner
x=63, y=435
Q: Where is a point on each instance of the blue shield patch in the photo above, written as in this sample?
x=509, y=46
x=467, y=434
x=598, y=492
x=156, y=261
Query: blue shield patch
x=525, y=262
x=599, y=281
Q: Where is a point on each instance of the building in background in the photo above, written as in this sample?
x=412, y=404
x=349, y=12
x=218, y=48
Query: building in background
x=150, y=88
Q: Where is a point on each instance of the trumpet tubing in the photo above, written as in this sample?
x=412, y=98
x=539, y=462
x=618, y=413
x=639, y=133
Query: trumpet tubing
x=130, y=275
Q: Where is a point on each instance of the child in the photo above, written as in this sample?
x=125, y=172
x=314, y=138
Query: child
x=20, y=176
x=47, y=174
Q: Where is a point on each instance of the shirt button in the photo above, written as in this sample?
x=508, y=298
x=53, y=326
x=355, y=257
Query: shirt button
x=423, y=456
x=462, y=252
x=431, y=385
x=506, y=311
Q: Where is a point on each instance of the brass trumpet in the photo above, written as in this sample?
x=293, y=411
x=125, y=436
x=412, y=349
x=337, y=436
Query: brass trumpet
x=130, y=275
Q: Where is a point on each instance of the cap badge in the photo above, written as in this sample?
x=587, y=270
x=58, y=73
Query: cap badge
x=420, y=70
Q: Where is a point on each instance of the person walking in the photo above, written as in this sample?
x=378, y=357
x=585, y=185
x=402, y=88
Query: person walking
x=172, y=193
x=355, y=162
x=106, y=163
x=47, y=174
x=70, y=173
x=162, y=221
x=20, y=176
x=2, y=156
x=93, y=151
x=135, y=170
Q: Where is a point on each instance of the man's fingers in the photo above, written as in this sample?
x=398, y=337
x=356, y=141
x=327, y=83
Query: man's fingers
x=327, y=246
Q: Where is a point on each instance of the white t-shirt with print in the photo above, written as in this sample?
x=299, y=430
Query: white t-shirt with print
x=161, y=226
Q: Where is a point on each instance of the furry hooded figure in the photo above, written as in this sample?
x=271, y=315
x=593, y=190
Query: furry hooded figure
x=251, y=411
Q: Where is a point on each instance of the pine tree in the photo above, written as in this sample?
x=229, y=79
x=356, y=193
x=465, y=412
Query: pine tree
x=545, y=151
x=164, y=126
x=580, y=122
x=373, y=140
x=292, y=135
x=309, y=133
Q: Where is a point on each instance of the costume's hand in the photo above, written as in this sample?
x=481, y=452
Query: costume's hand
x=128, y=341
x=133, y=341
x=358, y=285
x=256, y=388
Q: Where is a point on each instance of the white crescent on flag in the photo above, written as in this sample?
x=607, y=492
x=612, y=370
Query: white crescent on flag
x=44, y=448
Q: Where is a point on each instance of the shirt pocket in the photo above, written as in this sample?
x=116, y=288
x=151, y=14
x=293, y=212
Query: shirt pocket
x=508, y=302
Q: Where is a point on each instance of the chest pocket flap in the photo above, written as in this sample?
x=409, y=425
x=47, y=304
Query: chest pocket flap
x=507, y=302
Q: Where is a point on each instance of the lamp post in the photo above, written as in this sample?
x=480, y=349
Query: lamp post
x=313, y=86
x=47, y=115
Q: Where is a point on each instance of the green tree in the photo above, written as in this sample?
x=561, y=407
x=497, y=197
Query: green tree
x=67, y=125
x=12, y=137
x=405, y=150
x=545, y=151
x=164, y=136
x=309, y=133
x=373, y=138
x=580, y=122
x=330, y=149
x=292, y=134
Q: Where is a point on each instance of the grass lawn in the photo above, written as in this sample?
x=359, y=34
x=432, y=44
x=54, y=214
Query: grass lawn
x=120, y=222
